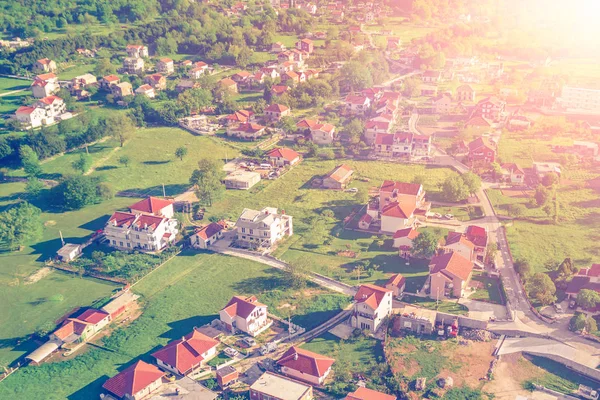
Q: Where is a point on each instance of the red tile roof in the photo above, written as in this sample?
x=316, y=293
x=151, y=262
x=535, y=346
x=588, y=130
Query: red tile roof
x=145, y=87
x=278, y=108
x=135, y=46
x=371, y=295
x=242, y=306
x=594, y=271
x=166, y=60
x=279, y=89
x=478, y=121
x=283, y=152
x=477, y=235
x=133, y=379
x=401, y=187
x=151, y=205
x=307, y=123
x=227, y=82
x=148, y=221
x=111, y=78
x=384, y=139
x=201, y=64
x=122, y=218
x=457, y=237
x=366, y=219
x=44, y=61
x=379, y=125
x=452, y=263
x=249, y=128
x=92, y=316
x=155, y=77
x=324, y=127
x=305, y=361
x=513, y=168
x=209, y=230
x=70, y=327
x=25, y=110
x=368, y=394
x=50, y=99
x=45, y=77
x=397, y=280
x=356, y=99
x=481, y=142
x=403, y=210
x=340, y=173
x=410, y=233
x=240, y=116
x=186, y=353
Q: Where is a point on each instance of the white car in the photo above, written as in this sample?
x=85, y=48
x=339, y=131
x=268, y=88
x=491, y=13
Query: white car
x=437, y=215
x=231, y=352
x=449, y=216
x=352, y=190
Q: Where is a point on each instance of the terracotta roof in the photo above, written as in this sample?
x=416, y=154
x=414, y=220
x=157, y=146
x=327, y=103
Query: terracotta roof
x=457, y=237
x=400, y=187
x=144, y=88
x=492, y=99
x=384, y=139
x=133, y=379
x=356, y=99
x=165, y=60
x=25, y=110
x=452, y=263
x=240, y=116
x=243, y=74
x=50, y=99
x=377, y=125
x=305, y=361
x=201, y=64
x=341, y=173
x=307, y=123
x=186, y=353
x=368, y=394
x=44, y=61
x=209, y=230
x=70, y=327
x=371, y=295
x=477, y=235
x=307, y=41
x=478, y=121
x=155, y=77
x=397, y=280
x=45, y=77
x=290, y=75
x=594, y=271
x=324, y=127
x=148, y=221
x=242, y=306
x=465, y=88
x=111, y=78
x=410, y=233
x=227, y=82
x=279, y=108
x=249, y=127
x=92, y=316
x=512, y=167
x=152, y=205
x=283, y=152
x=122, y=218
x=481, y=142
x=279, y=89
x=135, y=46
x=403, y=210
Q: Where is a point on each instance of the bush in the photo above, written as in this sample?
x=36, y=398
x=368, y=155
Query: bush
x=326, y=154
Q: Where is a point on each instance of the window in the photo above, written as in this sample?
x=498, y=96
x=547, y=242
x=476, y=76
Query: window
x=121, y=244
x=252, y=231
x=137, y=236
x=114, y=242
x=128, y=245
x=243, y=230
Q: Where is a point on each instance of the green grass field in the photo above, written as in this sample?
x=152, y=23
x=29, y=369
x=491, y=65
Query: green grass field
x=74, y=70
x=451, y=307
x=10, y=103
x=488, y=288
x=188, y=291
x=10, y=84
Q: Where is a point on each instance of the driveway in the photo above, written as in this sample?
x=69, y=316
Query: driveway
x=483, y=310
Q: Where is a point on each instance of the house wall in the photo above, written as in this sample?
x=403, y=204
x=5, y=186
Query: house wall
x=437, y=286
x=396, y=291
x=461, y=249
x=330, y=183
x=403, y=241
x=313, y=380
x=129, y=239
x=148, y=389
x=166, y=366
x=392, y=224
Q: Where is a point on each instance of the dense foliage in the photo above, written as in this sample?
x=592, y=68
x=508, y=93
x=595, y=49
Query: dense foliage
x=75, y=192
x=19, y=225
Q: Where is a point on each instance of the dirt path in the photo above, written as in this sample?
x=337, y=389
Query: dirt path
x=510, y=373
x=38, y=275
x=11, y=92
x=101, y=161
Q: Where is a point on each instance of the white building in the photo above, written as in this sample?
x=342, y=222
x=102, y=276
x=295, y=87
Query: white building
x=137, y=51
x=245, y=314
x=574, y=98
x=241, y=180
x=263, y=228
x=129, y=231
x=133, y=65
x=373, y=305
x=44, y=85
x=207, y=235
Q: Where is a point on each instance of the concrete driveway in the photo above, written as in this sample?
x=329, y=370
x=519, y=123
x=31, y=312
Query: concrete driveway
x=483, y=310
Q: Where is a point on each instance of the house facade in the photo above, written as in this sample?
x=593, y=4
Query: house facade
x=44, y=85
x=465, y=93
x=305, y=365
x=403, y=241
x=136, y=50
x=283, y=156
x=247, y=131
x=322, y=134
x=165, y=66
x=275, y=112
x=512, y=173
x=449, y=274
x=44, y=65
x=482, y=150
x=245, y=314
x=157, y=81
x=357, y=104
x=133, y=66
x=135, y=382
x=396, y=284
x=121, y=90
x=263, y=228
x=207, y=235
x=373, y=304
x=338, y=178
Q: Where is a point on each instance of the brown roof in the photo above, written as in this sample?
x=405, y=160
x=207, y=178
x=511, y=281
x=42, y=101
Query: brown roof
x=305, y=361
x=410, y=233
x=242, y=306
x=279, y=108
x=341, y=173
x=403, y=209
x=227, y=82
x=133, y=379
x=457, y=237
x=283, y=152
x=371, y=295
x=396, y=280
x=452, y=263
x=400, y=187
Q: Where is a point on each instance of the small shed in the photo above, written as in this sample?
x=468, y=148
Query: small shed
x=69, y=252
x=226, y=376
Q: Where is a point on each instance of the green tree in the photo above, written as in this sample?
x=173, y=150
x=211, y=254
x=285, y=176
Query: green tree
x=207, y=180
x=124, y=160
x=550, y=179
x=181, y=152
x=516, y=210
x=566, y=270
x=541, y=195
x=75, y=192
x=287, y=124
x=425, y=244
x=472, y=181
x=297, y=273
x=194, y=100
x=578, y=322
x=20, y=224
x=34, y=186
x=410, y=88
x=104, y=67
x=524, y=269
x=356, y=76
x=83, y=163
x=119, y=126
x=30, y=161
x=588, y=298
x=541, y=288
x=354, y=130
x=454, y=189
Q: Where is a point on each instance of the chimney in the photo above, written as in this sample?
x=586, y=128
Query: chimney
x=295, y=356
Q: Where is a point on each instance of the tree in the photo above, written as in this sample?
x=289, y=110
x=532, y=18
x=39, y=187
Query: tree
x=194, y=100
x=356, y=76
x=75, y=192
x=207, y=180
x=411, y=87
x=119, y=126
x=541, y=195
x=124, y=160
x=524, y=269
x=419, y=179
x=454, y=189
x=297, y=273
x=354, y=130
x=287, y=124
x=542, y=289
x=550, y=179
x=181, y=152
x=516, y=210
x=34, y=186
x=83, y=163
x=20, y=224
x=590, y=325
x=578, y=324
x=472, y=181
x=104, y=67
x=566, y=270
x=30, y=161
x=588, y=299
x=491, y=252
x=425, y=244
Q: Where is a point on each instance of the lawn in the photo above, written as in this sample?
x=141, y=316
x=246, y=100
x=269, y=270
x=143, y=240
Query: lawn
x=447, y=306
x=188, y=291
x=488, y=288
x=71, y=71
x=522, y=148
x=288, y=40
x=463, y=214
x=11, y=84
x=402, y=28
x=10, y=103
x=556, y=376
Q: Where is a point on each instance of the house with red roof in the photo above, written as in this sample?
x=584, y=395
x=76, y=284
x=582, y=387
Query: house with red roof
x=278, y=90
x=465, y=93
x=374, y=127
x=154, y=206
x=278, y=47
x=322, y=134
x=207, y=235
x=282, y=156
x=586, y=278
x=198, y=70
x=449, y=274
x=512, y=173
x=357, y=104
x=275, y=112
x=373, y=304
x=459, y=243
x=136, y=50
x=133, y=65
x=107, y=81
x=227, y=376
x=136, y=382
x=44, y=85
x=186, y=355
x=479, y=237
x=241, y=78
x=431, y=76
x=483, y=150
x=338, y=178
x=397, y=215
x=362, y=393
x=401, y=192
x=240, y=117
x=305, y=365
x=157, y=81
x=305, y=45
x=229, y=85
x=247, y=131
x=396, y=284
x=245, y=314
x=365, y=221
x=165, y=66
x=81, y=328
x=403, y=241
x=290, y=78
x=489, y=108
x=145, y=90
x=52, y=105
x=30, y=117
x=44, y=65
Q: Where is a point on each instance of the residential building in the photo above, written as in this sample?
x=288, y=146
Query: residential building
x=542, y=169
x=154, y=206
x=428, y=90
x=519, y=123
x=479, y=237
x=512, y=173
x=136, y=382
x=322, y=134
x=109, y=80
x=227, y=376
x=242, y=180
x=30, y=117
x=263, y=228
x=397, y=215
x=44, y=65
x=401, y=192
x=188, y=354
x=580, y=99
x=247, y=131
x=278, y=90
x=271, y=72
x=478, y=123
x=377, y=127
x=585, y=149
x=275, y=387
x=290, y=78
x=357, y=104
x=449, y=274
x=442, y=104
x=275, y=112
x=228, y=84
x=402, y=145
x=305, y=45
x=245, y=314
x=458, y=242
x=82, y=328
x=362, y=393
x=44, y=85
x=53, y=106
x=240, y=117
x=120, y=303
x=430, y=76
x=283, y=156
x=398, y=205
x=146, y=90
x=489, y=108
x=373, y=304
x=186, y=84
x=338, y=178
x=121, y=90
x=483, y=150
x=403, y=241
x=69, y=252
x=207, y=235
x=305, y=365
x=165, y=66
x=278, y=47
x=465, y=93
x=84, y=80
x=136, y=51
x=157, y=81
x=396, y=284
x=586, y=278
x=133, y=66
x=393, y=43
x=241, y=78
x=417, y=320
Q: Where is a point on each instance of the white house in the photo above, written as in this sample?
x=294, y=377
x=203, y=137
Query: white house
x=207, y=235
x=44, y=85
x=154, y=206
x=186, y=355
x=137, y=51
x=305, y=365
x=245, y=314
x=30, y=117
x=133, y=65
x=373, y=305
x=146, y=90
x=263, y=228
x=322, y=134
x=143, y=232
x=459, y=243
x=357, y=104
x=403, y=241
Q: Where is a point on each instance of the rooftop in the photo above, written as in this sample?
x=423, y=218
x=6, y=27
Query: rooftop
x=280, y=387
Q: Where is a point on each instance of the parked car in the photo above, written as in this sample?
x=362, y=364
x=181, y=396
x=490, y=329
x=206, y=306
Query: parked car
x=573, y=304
x=170, y=377
x=437, y=215
x=268, y=348
x=449, y=216
x=558, y=308
x=231, y=352
x=352, y=190
x=249, y=341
